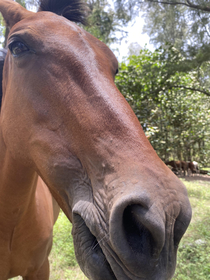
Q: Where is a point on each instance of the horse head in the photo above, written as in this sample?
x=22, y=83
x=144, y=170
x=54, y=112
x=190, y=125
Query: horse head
x=63, y=117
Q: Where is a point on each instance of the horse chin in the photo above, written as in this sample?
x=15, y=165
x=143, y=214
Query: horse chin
x=88, y=252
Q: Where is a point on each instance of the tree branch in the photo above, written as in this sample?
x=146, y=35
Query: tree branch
x=193, y=89
x=206, y=9
x=187, y=3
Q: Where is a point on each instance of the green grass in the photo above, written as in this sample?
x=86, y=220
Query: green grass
x=62, y=259
x=205, y=168
x=194, y=251
x=193, y=262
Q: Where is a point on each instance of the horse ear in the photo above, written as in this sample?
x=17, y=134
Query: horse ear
x=12, y=12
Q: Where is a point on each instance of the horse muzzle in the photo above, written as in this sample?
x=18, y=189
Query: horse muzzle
x=141, y=240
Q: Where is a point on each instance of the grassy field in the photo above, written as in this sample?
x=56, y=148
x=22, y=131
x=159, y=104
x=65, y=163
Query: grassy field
x=194, y=250
x=62, y=259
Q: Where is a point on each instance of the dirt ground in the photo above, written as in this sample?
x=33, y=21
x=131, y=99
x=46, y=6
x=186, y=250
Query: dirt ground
x=197, y=177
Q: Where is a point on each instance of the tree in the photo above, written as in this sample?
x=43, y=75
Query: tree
x=187, y=29
x=168, y=25
x=201, y=5
x=168, y=104
x=183, y=23
x=103, y=22
x=129, y=7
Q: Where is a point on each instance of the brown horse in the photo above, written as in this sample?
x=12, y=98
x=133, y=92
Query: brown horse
x=178, y=166
x=64, y=123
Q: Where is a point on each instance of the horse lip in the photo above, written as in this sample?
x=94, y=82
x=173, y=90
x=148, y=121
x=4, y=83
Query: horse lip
x=92, y=260
x=98, y=273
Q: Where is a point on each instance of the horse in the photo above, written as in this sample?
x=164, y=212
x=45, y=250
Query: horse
x=66, y=131
x=178, y=166
x=196, y=167
x=193, y=166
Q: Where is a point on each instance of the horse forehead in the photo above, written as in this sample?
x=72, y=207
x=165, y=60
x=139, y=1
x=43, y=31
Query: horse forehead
x=48, y=27
x=46, y=24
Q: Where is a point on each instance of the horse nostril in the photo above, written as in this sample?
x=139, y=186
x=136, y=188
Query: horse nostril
x=137, y=235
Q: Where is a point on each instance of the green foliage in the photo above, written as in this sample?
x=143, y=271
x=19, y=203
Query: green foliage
x=184, y=24
x=103, y=22
x=21, y=2
x=168, y=103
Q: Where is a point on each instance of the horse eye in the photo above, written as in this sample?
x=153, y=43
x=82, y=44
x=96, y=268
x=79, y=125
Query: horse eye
x=117, y=71
x=18, y=48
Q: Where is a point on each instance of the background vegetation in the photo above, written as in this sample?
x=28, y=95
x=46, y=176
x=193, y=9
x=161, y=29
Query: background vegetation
x=171, y=105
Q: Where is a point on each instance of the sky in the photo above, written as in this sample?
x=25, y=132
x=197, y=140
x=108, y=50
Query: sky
x=134, y=35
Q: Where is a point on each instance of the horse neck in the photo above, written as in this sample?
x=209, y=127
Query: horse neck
x=17, y=186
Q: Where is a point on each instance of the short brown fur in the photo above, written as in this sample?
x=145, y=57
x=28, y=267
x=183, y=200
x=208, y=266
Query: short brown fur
x=65, y=129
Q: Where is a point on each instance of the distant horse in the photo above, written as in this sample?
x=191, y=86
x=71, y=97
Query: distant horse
x=178, y=166
x=66, y=130
x=196, y=167
x=193, y=166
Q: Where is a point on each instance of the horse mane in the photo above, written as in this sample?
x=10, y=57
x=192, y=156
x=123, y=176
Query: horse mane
x=3, y=53
x=74, y=10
